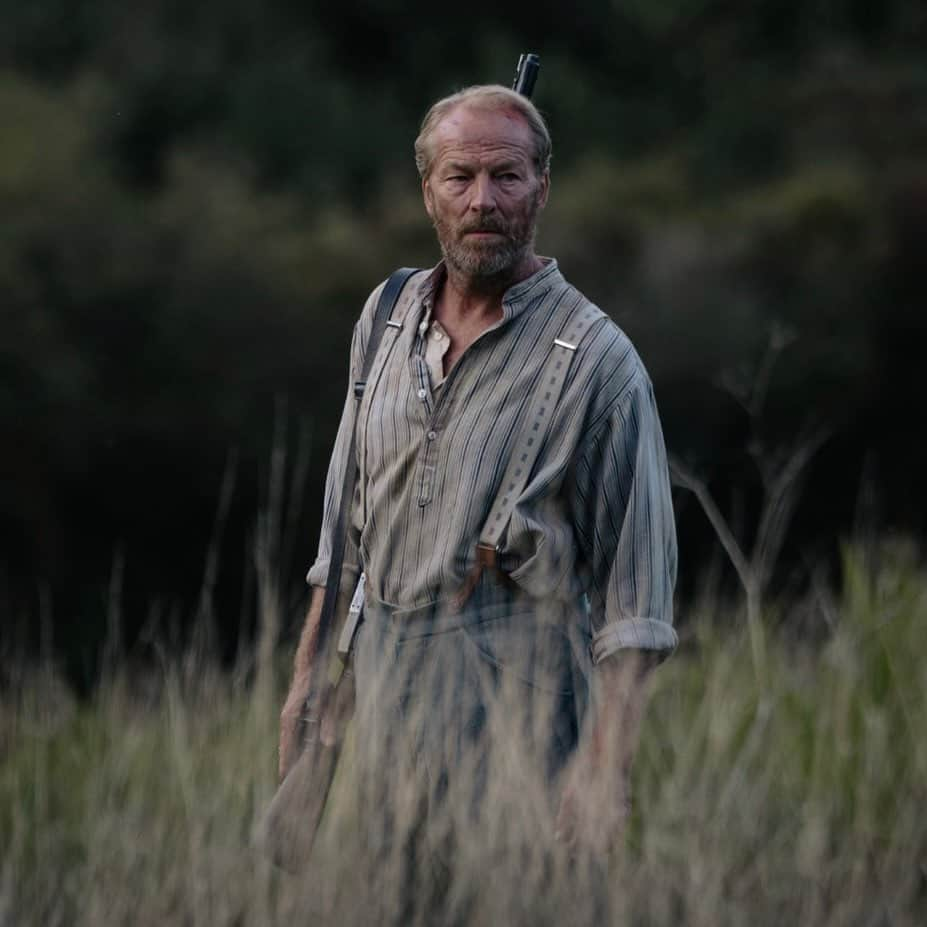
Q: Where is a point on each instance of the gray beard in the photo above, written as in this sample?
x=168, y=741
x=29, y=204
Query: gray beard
x=494, y=260
x=483, y=262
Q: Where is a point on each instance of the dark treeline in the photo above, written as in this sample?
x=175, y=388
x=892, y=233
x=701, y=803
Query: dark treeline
x=196, y=198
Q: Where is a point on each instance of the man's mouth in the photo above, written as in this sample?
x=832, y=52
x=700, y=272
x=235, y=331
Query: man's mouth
x=483, y=233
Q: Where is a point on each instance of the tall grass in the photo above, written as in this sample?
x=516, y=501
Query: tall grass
x=801, y=803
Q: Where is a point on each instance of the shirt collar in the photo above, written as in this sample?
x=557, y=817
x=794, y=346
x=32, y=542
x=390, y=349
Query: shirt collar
x=515, y=298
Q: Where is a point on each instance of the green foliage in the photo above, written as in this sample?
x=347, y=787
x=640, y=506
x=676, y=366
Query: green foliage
x=197, y=199
x=800, y=803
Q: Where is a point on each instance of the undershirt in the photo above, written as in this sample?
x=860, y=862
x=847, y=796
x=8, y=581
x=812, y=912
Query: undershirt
x=437, y=342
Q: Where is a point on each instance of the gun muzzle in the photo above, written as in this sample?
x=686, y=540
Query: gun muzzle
x=526, y=74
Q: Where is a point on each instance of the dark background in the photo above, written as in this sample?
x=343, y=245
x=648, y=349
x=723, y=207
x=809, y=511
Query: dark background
x=195, y=199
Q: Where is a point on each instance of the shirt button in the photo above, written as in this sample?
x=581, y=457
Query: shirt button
x=422, y=393
x=437, y=336
x=422, y=328
x=431, y=435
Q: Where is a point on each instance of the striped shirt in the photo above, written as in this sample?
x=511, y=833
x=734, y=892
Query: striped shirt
x=596, y=515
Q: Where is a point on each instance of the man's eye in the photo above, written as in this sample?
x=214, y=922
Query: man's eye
x=508, y=176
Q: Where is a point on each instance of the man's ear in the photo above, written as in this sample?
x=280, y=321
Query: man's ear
x=428, y=198
x=544, y=189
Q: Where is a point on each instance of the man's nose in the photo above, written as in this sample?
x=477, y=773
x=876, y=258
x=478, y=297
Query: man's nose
x=483, y=197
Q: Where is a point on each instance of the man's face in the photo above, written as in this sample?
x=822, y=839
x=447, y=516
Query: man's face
x=483, y=192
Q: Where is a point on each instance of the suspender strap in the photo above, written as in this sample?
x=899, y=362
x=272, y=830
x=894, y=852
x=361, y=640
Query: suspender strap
x=388, y=299
x=531, y=437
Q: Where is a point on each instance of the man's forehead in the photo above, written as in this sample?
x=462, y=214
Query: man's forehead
x=479, y=128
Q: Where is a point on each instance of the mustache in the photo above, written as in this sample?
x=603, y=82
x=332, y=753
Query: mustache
x=485, y=226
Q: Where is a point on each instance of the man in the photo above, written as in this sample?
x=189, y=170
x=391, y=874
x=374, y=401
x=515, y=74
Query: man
x=587, y=562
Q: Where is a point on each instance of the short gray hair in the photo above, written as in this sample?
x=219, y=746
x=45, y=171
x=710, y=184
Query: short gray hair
x=486, y=97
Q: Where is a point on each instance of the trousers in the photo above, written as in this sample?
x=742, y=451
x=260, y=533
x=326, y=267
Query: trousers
x=463, y=722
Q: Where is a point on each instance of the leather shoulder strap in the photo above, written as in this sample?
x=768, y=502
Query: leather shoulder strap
x=388, y=299
x=392, y=290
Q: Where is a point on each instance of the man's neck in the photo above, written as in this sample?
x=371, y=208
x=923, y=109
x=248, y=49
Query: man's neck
x=466, y=297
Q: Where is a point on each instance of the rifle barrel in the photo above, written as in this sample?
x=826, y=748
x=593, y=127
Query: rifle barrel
x=526, y=74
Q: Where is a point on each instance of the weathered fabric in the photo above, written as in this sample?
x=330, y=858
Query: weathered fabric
x=595, y=517
x=436, y=677
x=463, y=722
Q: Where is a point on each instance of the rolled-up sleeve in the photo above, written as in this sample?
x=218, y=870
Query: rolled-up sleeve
x=626, y=530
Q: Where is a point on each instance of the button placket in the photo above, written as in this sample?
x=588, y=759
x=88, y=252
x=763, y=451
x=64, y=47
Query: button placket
x=428, y=465
x=437, y=405
x=422, y=378
x=418, y=370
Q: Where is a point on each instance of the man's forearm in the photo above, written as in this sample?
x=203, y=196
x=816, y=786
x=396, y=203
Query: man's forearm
x=595, y=796
x=309, y=636
x=622, y=683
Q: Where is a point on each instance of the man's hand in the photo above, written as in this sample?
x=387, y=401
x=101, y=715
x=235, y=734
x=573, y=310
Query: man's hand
x=594, y=805
x=595, y=801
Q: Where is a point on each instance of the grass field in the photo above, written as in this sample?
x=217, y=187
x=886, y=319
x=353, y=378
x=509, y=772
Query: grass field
x=800, y=804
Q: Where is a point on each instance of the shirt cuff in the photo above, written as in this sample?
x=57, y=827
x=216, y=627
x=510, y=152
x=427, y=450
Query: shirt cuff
x=318, y=574
x=633, y=634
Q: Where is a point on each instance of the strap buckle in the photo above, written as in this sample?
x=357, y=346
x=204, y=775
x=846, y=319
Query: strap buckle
x=487, y=555
x=486, y=558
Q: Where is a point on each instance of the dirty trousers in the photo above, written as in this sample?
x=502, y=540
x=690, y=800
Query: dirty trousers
x=464, y=721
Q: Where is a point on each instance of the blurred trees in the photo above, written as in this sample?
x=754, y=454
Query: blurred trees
x=197, y=197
